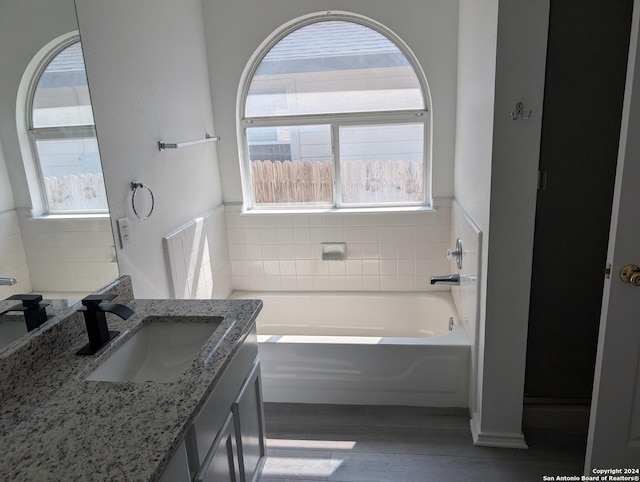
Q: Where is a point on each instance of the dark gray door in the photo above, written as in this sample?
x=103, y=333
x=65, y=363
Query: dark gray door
x=584, y=87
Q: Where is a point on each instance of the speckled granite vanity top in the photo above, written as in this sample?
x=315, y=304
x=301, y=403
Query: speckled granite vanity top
x=55, y=425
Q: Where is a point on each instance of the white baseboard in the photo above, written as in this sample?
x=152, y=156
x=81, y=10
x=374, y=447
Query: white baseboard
x=495, y=439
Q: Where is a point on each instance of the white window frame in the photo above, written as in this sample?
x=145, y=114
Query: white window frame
x=47, y=133
x=334, y=120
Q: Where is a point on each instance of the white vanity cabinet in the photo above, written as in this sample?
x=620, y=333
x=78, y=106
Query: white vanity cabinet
x=221, y=463
x=248, y=420
x=226, y=442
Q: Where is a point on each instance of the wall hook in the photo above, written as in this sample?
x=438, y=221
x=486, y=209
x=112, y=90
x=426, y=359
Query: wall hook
x=520, y=112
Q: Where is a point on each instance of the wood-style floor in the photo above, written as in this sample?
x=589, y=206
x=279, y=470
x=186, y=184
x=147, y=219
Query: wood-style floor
x=395, y=444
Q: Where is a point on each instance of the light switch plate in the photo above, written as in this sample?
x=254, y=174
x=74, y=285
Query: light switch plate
x=123, y=231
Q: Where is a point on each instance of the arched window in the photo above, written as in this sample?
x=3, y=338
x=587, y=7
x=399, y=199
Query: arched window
x=334, y=113
x=62, y=134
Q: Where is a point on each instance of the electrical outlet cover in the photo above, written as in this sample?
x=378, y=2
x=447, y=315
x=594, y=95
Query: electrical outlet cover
x=123, y=231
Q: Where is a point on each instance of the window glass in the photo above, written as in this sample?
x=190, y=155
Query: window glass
x=331, y=67
x=72, y=174
x=292, y=166
x=382, y=164
x=62, y=95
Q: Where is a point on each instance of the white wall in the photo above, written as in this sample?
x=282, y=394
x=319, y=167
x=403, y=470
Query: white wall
x=6, y=192
x=501, y=61
x=148, y=77
x=13, y=261
x=235, y=29
x=508, y=252
x=477, y=34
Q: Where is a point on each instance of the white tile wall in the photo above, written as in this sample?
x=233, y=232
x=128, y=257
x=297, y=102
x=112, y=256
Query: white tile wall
x=197, y=255
x=385, y=251
x=13, y=260
x=69, y=254
x=467, y=296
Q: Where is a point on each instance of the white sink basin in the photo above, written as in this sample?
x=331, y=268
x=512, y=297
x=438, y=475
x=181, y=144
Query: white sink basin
x=160, y=351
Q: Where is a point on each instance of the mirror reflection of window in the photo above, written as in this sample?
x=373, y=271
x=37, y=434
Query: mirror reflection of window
x=63, y=136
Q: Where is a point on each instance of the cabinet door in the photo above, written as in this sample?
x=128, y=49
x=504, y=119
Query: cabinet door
x=248, y=415
x=221, y=463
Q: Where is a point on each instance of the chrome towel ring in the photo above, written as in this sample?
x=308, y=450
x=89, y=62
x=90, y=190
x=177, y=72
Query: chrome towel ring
x=136, y=187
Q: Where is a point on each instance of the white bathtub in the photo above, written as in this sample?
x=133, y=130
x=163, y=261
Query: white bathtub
x=362, y=348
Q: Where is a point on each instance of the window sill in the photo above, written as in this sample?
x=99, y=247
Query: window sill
x=367, y=210
x=63, y=217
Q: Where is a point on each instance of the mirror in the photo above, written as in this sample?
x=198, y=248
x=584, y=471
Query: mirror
x=14, y=323
x=67, y=255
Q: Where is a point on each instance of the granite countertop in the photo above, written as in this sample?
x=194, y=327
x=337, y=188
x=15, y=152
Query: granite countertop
x=54, y=425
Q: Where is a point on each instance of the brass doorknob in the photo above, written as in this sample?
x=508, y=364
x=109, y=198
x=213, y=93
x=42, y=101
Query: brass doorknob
x=630, y=274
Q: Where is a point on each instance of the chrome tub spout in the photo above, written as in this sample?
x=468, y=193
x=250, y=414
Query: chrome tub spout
x=449, y=279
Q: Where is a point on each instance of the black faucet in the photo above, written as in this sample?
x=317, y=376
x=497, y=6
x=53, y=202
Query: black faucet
x=96, y=321
x=34, y=311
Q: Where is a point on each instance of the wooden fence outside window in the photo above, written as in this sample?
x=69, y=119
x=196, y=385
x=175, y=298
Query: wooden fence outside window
x=76, y=192
x=362, y=182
